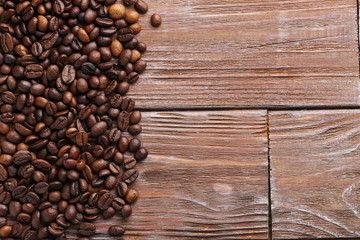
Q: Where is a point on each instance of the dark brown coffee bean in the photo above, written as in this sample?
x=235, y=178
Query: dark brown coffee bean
x=55, y=230
x=68, y=74
x=87, y=229
x=129, y=163
x=141, y=6
x=81, y=138
x=141, y=154
x=125, y=57
x=130, y=176
x=62, y=222
x=104, y=22
x=156, y=20
x=109, y=213
x=135, y=129
x=105, y=201
x=6, y=42
x=133, y=77
x=35, y=220
x=60, y=123
x=123, y=144
x=41, y=165
x=114, y=135
x=41, y=187
x=23, y=218
x=118, y=204
x=8, y=97
x=99, y=128
x=49, y=39
x=22, y=157
x=70, y=212
x=32, y=198
x=126, y=211
x=127, y=105
x=123, y=120
x=49, y=215
x=59, y=7
x=125, y=34
x=36, y=49
x=116, y=230
x=17, y=229
x=33, y=71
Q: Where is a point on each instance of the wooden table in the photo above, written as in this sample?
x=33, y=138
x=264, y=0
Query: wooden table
x=233, y=152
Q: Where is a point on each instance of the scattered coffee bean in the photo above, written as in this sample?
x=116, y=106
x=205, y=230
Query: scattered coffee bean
x=67, y=66
x=156, y=20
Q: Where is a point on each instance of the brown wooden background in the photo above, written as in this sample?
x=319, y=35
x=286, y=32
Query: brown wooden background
x=218, y=169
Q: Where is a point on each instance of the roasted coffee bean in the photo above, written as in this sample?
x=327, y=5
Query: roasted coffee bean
x=59, y=7
x=17, y=230
x=118, y=204
x=99, y=128
x=129, y=163
x=116, y=230
x=49, y=39
x=126, y=211
x=32, y=198
x=104, y=22
x=105, y=201
x=156, y=20
x=141, y=6
x=130, y=176
x=33, y=71
x=125, y=34
x=141, y=154
x=41, y=187
x=68, y=74
x=49, y=214
x=123, y=120
x=62, y=144
x=87, y=229
x=22, y=157
x=6, y=42
x=55, y=230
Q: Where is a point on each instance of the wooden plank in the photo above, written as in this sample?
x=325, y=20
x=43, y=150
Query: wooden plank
x=315, y=177
x=206, y=177
x=246, y=54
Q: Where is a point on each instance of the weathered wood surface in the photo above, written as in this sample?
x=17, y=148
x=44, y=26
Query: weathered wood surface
x=315, y=183
x=250, y=54
x=206, y=177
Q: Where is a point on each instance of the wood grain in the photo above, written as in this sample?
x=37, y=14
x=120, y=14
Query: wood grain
x=206, y=177
x=315, y=177
x=250, y=54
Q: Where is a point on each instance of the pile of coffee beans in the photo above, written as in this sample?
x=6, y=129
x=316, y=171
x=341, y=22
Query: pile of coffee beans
x=68, y=145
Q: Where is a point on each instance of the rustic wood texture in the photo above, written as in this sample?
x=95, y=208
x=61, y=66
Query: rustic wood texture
x=206, y=177
x=250, y=54
x=315, y=183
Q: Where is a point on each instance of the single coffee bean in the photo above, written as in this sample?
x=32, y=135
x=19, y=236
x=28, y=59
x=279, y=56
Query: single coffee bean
x=87, y=229
x=49, y=39
x=141, y=154
x=125, y=34
x=33, y=71
x=129, y=163
x=99, y=128
x=126, y=211
x=6, y=42
x=130, y=176
x=68, y=74
x=156, y=20
x=123, y=120
x=118, y=204
x=105, y=201
x=116, y=230
x=141, y=6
